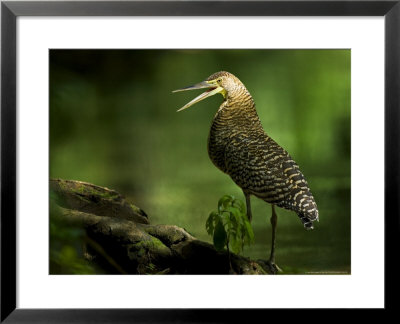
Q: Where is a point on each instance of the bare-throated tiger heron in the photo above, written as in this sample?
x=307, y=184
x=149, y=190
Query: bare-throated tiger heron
x=239, y=147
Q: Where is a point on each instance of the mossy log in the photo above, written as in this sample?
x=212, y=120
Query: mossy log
x=122, y=240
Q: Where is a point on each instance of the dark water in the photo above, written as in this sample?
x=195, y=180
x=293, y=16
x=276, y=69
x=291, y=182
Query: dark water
x=113, y=122
x=325, y=249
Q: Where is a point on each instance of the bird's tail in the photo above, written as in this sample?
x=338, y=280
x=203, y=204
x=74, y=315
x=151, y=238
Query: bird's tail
x=304, y=205
x=308, y=213
x=308, y=217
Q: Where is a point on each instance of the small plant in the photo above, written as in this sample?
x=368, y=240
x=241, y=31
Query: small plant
x=229, y=226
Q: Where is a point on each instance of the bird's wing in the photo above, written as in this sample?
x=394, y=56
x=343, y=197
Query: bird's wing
x=263, y=168
x=247, y=164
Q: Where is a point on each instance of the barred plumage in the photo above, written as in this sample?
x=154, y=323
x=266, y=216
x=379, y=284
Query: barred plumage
x=238, y=146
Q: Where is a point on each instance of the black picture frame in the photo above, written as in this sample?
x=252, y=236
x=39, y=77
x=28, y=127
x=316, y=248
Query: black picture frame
x=10, y=10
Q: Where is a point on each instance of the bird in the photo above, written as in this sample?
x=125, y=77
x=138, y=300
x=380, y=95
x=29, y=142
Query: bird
x=239, y=147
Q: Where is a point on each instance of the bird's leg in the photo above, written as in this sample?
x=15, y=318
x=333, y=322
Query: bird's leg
x=271, y=262
x=274, y=221
x=249, y=216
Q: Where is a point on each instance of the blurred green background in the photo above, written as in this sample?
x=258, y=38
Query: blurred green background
x=113, y=122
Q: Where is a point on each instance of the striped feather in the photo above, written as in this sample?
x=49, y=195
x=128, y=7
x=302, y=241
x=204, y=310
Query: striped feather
x=238, y=146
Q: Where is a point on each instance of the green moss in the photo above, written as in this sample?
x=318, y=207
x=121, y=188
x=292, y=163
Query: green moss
x=150, y=245
x=258, y=269
x=62, y=184
x=167, y=233
x=109, y=195
x=87, y=190
x=136, y=209
x=80, y=189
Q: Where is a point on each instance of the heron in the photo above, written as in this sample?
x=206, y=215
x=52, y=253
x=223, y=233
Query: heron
x=239, y=147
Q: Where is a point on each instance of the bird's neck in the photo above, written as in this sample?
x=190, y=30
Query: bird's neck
x=238, y=105
x=236, y=116
x=239, y=97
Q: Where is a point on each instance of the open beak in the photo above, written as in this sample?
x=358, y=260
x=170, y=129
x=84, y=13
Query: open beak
x=212, y=90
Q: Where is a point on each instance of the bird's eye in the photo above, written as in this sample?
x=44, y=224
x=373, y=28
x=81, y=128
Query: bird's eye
x=219, y=80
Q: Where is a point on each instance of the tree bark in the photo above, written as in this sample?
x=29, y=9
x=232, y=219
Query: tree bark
x=120, y=238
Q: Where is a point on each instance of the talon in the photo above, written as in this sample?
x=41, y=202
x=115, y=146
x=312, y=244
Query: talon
x=271, y=267
x=274, y=268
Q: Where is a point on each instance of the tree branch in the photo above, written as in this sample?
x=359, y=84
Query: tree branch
x=120, y=238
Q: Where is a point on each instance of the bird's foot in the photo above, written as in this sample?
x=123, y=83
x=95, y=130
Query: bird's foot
x=273, y=267
x=270, y=267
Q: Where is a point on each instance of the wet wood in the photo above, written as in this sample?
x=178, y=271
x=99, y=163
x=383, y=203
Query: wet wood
x=120, y=238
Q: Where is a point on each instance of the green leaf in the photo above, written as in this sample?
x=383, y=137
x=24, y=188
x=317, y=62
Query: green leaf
x=230, y=226
x=211, y=220
x=235, y=244
x=219, y=236
x=240, y=205
x=225, y=217
x=235, y=212
x=249, y=230
x=225, y=201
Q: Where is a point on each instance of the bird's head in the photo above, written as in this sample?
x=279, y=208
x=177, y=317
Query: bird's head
x=222, y=82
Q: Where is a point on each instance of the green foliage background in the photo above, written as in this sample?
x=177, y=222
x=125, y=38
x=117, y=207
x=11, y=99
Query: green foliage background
x=113, y=122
